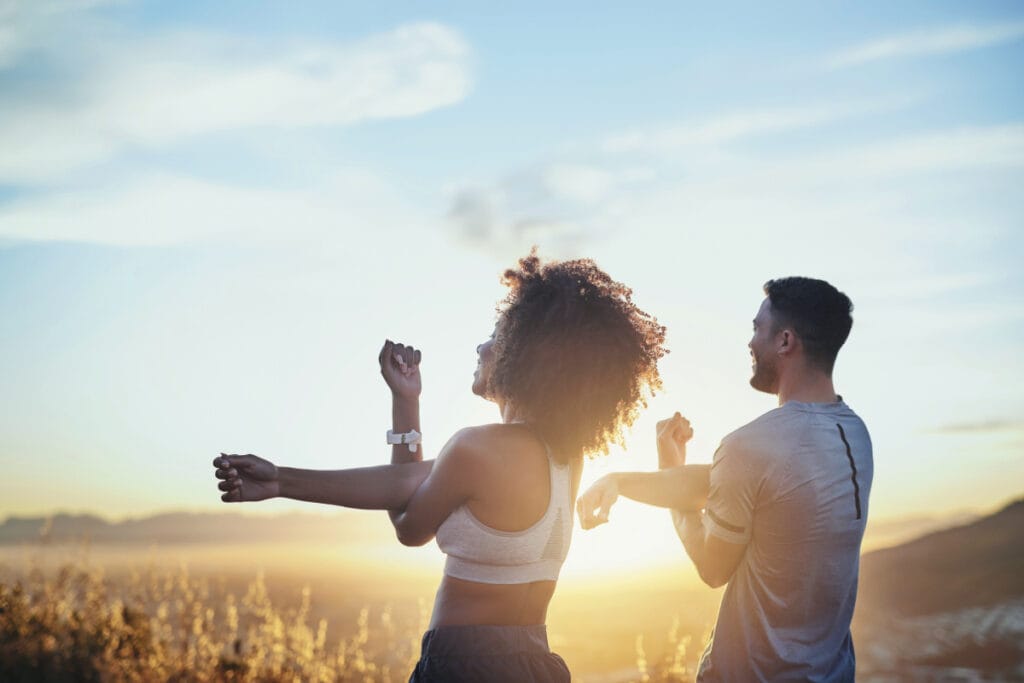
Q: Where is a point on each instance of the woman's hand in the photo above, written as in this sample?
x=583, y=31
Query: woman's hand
x=246, y=478
x=596, y=502
x=673, y=434
x=400, y=367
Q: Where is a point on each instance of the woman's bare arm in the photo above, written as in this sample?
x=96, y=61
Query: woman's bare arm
x=421, y=494
x=249, y=478
x=384, y=487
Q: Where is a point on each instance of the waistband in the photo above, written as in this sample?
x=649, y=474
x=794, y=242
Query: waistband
x=469, y=570
x=475, y=641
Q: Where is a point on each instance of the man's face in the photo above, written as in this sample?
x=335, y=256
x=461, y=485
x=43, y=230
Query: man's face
x=765, y=375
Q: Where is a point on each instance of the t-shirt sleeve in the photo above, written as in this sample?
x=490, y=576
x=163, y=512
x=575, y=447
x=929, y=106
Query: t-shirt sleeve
x=729, y=513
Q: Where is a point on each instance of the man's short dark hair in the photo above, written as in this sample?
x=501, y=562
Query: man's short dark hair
x=818, y=313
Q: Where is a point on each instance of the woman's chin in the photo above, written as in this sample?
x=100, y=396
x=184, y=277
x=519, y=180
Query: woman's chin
x=480, y=389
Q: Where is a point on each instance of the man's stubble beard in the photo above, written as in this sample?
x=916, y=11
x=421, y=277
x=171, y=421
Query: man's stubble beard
x=765, y=376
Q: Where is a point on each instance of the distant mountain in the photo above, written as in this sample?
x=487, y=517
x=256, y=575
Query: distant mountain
x=171, y=528
x=885, y=533
x=974, y=565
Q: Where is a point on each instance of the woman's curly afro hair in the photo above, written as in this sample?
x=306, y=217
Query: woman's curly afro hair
x=574, y=355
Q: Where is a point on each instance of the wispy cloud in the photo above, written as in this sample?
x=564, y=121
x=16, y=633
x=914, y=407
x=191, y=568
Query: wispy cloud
x=853, y=189
x=561, y=205
x=160, y=210
x=980, y=427
x=725, y=128
x=24, y=24
x=932, y=41
x=951, y=149
x=153, y=92
x=928, y=287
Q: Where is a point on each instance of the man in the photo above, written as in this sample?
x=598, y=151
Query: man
x=784, y=501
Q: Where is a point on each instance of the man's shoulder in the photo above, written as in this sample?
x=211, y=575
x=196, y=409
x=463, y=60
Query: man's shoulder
x=756, y=436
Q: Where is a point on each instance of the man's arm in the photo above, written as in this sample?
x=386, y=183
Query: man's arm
x=674, y=485
x=716, y=560
x=717, y=540
x=683, y=488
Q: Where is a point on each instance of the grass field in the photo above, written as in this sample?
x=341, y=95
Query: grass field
x=281, y=613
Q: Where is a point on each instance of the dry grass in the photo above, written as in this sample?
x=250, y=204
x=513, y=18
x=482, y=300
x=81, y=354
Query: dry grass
x=75, y=625
x=77, y=622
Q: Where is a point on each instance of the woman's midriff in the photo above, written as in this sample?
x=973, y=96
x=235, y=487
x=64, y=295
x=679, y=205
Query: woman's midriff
x=462, y=603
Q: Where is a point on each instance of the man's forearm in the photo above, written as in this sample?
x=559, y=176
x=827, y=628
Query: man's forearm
x=680, y=488
x=385, y=487
x=690, y=530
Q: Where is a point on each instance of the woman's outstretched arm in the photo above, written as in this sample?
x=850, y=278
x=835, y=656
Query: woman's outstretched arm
x=248, y=478
x=422, y=494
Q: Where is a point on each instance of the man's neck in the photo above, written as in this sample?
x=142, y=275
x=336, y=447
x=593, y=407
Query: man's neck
x=808, y=386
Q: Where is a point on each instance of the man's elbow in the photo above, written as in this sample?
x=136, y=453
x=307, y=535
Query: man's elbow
x=713, y=576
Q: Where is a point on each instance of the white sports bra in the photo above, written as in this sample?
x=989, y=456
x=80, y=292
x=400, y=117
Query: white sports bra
x=477, y=552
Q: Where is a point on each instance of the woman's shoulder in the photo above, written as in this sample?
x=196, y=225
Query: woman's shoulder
x=490, y=442
x=484, y=438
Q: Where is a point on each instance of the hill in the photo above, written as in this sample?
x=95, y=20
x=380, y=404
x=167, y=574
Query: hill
x=974, y=565
x=182, y=527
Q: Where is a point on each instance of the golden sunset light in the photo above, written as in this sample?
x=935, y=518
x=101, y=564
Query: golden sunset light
x=268, y=271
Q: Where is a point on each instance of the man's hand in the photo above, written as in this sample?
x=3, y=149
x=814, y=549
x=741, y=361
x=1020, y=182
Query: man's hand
x=673, y=434
x=400, y=367
x=246, y=478
x=595, y=504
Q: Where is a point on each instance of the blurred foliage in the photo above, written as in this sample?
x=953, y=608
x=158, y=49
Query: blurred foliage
x=167, y=626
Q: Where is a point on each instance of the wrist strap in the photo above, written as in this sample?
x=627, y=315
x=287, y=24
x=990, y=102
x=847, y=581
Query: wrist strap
x=410, y=439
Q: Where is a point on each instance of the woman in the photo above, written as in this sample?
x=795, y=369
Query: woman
x=569, y=364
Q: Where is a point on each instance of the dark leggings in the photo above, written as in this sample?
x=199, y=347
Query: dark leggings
x=517, y=654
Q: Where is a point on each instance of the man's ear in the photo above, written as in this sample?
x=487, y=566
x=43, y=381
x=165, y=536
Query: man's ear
x=787, y=342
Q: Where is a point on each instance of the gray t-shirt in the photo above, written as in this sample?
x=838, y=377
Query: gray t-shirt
x=793, y=485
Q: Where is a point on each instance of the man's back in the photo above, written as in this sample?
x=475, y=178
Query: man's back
x=794, y=486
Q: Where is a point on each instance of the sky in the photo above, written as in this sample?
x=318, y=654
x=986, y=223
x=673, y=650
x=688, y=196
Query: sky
x=213, y=214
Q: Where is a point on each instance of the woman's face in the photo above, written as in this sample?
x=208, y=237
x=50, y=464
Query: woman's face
x=484, y=366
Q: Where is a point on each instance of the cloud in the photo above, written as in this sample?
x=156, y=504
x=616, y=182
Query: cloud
x=980, y=427
x=721, y=129
x=578, y=183
x=725, y=128
x=954, y=149
x=930, y=287
x=151, y=93
x=25, y=24
x=488, y=218
x=933, y=41
x=162, y=210
x=857, y=188
x=559, y=205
